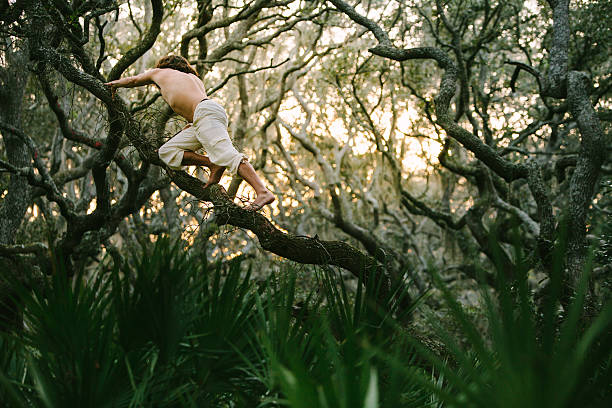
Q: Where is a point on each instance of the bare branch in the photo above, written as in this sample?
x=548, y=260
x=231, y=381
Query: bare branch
x=45, y=180
x=143, y=45
x=532, y=226
x=378, y=32
x=243, y=72
x=37, y=248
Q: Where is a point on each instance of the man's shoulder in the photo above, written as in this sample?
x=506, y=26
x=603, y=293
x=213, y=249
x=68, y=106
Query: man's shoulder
x=166, y=73
x=154, y=72
x=162, y=76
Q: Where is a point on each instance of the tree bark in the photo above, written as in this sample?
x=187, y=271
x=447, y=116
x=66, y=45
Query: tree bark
x=13, y=78
x=585, y=179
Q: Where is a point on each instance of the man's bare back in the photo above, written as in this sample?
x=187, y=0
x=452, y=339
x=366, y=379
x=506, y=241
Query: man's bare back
x=180, y=90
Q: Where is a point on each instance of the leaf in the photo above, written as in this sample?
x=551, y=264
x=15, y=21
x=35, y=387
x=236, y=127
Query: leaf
x=371, y=397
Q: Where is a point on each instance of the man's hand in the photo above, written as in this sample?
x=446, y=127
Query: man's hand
x=112, y=88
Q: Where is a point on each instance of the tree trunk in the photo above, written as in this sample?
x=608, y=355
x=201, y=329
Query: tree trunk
x=14, y=205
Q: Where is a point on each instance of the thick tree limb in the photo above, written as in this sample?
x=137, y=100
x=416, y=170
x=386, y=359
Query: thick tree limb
x=556, y=80
x=585, y=178
x=67, y=129
x=297, y=248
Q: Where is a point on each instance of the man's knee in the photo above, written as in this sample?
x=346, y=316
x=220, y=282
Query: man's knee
x=168, y=154
x=165, y=149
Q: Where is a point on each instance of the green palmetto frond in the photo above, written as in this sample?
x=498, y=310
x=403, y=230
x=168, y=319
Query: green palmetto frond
x=328, y=352
x=530, y=357
x=68, y=336
x=181, y=326
x=170, y=331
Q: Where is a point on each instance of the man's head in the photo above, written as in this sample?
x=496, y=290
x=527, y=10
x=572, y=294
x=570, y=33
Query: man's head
x=176, y=62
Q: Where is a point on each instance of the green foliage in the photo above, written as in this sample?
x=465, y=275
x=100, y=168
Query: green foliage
x=162, y=333
x=171, y=332
x=68, y=344
x=153, y=302
x=533, y=356
x=333, y=350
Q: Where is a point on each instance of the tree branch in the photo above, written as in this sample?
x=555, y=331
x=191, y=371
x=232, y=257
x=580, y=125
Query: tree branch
x=144, y=45
x=37, y=248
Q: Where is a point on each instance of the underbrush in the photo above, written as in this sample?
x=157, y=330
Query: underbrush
x=169, y=331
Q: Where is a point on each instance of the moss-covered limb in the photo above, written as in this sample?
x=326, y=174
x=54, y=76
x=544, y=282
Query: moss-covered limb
x=308, y=250
x=586, y=177
x=556, y=79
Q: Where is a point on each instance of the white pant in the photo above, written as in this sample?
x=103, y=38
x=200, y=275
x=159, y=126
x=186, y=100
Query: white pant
x=209, y=130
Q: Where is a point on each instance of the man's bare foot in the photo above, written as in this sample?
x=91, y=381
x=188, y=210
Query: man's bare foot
x=215, y=174
x=263, y=199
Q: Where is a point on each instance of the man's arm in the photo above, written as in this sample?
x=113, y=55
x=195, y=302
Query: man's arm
x=146, y=78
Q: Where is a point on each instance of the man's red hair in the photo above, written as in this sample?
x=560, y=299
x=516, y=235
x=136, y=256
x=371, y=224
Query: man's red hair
x=177, y=62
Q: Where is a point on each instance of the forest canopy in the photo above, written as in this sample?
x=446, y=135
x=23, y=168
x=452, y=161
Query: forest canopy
x=406, y=142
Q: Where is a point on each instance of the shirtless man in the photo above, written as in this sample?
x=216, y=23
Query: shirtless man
x=183, y=90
